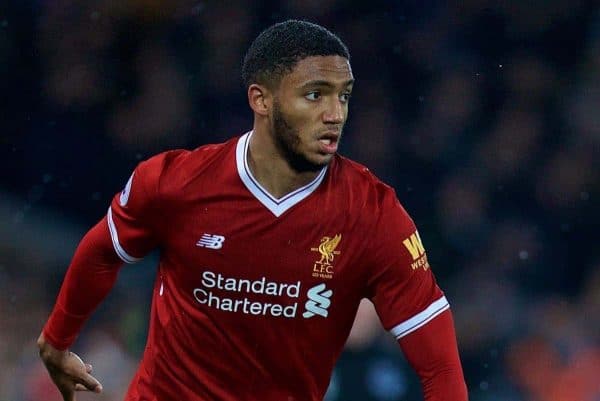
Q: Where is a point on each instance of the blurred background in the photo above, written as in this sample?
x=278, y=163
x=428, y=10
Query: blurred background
x=484, y=116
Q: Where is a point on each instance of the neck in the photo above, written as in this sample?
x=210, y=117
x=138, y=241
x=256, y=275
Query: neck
x=270, y=168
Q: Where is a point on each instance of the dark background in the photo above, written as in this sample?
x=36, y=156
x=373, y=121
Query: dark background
x=484, y=116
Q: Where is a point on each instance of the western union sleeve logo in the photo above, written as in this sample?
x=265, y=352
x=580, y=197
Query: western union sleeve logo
x=414, y=245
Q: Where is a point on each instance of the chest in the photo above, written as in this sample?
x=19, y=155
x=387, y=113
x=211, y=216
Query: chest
x=242, y=237
x=236, y=245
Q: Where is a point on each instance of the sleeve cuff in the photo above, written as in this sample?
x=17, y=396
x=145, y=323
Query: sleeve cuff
x=62, y=328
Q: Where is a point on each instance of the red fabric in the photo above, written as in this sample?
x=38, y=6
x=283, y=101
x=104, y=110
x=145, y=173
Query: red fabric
x=244, y=301
x=90, y=277
x=401, y=284
x=432, y=352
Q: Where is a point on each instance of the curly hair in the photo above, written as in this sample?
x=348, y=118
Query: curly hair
x=278, y=48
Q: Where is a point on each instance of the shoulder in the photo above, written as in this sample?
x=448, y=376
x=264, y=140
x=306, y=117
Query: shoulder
x=174, y=168
x=360, y=184
x=173, y=160
x=371, y=204
x=184, y=161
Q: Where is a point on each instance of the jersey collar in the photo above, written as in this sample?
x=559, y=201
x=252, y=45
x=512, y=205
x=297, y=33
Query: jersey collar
x=277, y=206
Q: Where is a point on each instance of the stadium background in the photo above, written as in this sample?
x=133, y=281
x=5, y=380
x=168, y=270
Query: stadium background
x=485, y=117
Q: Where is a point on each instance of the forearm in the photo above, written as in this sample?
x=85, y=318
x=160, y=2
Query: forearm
x=90, y=277
x=433, y=354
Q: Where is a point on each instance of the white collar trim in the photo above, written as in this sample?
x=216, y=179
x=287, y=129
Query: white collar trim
x=277, y=206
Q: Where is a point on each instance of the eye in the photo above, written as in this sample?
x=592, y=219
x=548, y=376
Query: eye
x=314, y=95
x=345, y=97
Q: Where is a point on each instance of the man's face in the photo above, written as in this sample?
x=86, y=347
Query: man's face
x=310, y=107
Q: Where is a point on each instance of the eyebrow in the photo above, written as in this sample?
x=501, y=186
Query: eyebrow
x=325, y=83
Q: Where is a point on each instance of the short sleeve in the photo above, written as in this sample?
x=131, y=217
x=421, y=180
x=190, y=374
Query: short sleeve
x=133, y=213
x=401, y=284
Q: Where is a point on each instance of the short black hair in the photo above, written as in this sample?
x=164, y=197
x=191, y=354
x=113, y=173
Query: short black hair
x=277, y=49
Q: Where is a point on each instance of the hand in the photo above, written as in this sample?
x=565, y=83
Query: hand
x=67, y=370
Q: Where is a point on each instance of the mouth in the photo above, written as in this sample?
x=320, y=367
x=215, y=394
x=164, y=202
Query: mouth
x=329, y=142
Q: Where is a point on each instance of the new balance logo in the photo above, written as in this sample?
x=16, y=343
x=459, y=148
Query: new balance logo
x=318, y=301
x=211, y=241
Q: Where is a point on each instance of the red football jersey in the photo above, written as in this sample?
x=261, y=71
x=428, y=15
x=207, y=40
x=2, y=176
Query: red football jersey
x=255, y=296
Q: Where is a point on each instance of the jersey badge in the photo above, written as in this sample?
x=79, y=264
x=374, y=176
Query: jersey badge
x=124, y=197
x=318, y=301
x=414, y=245
x=323, y=268
x=211, y=241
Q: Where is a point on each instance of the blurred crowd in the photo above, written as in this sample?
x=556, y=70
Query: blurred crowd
x=484, y=116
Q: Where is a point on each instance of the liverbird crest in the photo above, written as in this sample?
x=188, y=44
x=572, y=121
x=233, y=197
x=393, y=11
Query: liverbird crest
x=327, y=248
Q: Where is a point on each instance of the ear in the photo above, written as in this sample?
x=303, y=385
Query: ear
x=260, y=99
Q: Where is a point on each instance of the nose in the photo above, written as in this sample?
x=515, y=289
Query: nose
x=335, y=112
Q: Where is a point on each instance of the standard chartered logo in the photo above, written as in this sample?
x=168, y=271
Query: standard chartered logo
x=318, y=301
x=249, y=297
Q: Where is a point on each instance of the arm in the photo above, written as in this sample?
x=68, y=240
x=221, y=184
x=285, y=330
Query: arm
x=126, y=234
x=410, y=304
x=432, y=352
x=90, y=277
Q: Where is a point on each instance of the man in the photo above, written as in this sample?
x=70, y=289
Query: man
x=268, y=244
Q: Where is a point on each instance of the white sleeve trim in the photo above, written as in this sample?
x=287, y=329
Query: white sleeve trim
x=421, y=318
x=127, y=258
